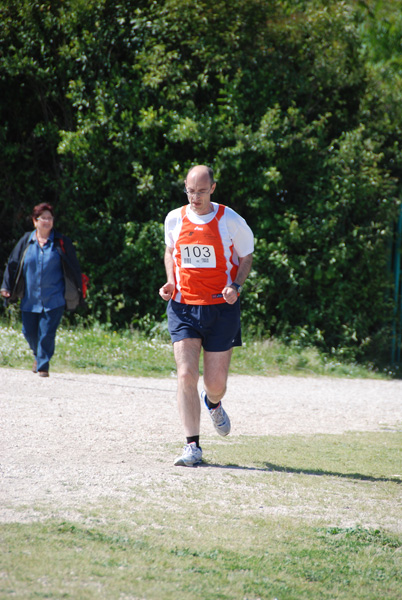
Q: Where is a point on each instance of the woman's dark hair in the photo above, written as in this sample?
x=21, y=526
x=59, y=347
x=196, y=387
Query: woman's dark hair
x=40, y=208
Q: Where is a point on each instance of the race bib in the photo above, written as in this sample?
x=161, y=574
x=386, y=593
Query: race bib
x=197, y=256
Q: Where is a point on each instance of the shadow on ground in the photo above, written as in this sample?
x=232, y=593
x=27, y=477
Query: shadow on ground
x=270, y=467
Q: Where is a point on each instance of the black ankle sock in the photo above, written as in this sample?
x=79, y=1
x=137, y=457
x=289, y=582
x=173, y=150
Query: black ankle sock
x=210, y=404
x=194, y=438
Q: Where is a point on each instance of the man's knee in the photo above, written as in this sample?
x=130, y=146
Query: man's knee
x=215, y=390
x=186, y=376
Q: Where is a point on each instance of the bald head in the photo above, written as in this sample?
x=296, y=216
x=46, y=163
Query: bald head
x=199, y=187
x=201, y=171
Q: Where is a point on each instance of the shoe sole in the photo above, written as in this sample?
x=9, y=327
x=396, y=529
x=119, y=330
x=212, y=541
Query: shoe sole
x=222, y=433
x=179, y=462
x=218, y=428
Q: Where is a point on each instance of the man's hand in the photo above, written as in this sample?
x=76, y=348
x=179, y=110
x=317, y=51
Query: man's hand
x=5, y=293
x=166, y=291
x=229, y=294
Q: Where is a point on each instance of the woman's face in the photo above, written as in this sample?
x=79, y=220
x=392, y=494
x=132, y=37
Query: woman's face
x=44, y=222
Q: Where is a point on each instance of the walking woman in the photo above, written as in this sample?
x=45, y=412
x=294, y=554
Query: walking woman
x=44, y=272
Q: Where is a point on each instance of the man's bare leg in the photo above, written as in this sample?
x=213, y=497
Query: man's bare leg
x=216, y=370
x=187, y=356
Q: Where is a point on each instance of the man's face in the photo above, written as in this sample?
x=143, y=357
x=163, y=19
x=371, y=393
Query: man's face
x=199, y=190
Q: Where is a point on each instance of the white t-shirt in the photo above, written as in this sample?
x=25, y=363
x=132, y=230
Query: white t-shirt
x=239, y=232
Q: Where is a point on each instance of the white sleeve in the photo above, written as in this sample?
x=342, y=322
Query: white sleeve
x=171, y=221
x=240, y=233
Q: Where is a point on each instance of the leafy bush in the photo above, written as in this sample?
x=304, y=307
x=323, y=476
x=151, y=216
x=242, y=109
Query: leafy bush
x=106, y=105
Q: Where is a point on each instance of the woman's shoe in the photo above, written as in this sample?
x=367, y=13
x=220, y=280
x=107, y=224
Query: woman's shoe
x=35, y=367
x=43, y=373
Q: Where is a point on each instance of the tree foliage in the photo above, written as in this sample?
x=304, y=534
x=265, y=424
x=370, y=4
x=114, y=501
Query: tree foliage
x=105, y=105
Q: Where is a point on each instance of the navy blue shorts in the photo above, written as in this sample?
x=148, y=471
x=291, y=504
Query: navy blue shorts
x=217, y=325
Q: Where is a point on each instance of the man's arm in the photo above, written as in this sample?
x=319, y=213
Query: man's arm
x=230, y=293
x=166, y=291
x=244, y=268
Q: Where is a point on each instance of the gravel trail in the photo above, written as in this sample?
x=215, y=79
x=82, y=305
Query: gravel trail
x=77, y=438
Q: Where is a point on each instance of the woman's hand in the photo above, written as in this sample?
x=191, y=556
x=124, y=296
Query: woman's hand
x=5, y=293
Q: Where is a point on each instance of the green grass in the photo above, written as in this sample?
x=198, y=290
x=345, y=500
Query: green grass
x=101, y=350
x=288, y=563
x=362, y=456
x=266, y=521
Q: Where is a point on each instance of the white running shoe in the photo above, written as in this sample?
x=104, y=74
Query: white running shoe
x=219, y=416
x=191, y=456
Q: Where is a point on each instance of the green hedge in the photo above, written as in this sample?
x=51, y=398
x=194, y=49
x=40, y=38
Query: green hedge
x=296, y=106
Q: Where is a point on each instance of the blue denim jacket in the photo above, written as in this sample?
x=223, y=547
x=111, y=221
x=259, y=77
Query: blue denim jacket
x=14, y=280
x=43, y=274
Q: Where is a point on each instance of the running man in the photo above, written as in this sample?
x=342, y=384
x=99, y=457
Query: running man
x=208, y=256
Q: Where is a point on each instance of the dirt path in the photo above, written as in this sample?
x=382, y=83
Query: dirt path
x=76, y=438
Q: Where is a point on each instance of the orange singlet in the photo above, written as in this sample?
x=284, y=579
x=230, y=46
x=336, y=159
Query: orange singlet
x=203, y=265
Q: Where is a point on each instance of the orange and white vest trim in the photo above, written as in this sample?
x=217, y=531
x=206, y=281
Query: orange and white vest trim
x=203, y=265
